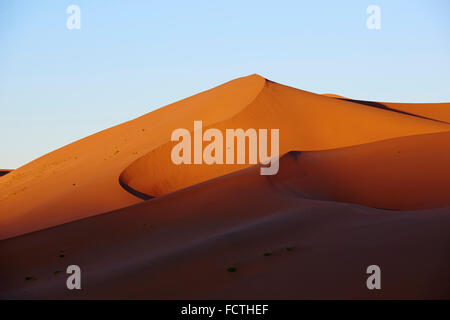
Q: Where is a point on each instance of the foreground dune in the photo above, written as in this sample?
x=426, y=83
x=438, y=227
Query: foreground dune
x=119, y=166
x=180, y=245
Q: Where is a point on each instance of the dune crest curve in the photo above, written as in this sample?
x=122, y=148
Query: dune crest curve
x=110, y=169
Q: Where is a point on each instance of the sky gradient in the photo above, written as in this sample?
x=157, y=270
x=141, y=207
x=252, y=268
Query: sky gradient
x=131, y=57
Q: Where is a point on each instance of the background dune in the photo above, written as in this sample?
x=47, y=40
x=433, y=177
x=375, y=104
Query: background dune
x=434, y=111
x=306, y=121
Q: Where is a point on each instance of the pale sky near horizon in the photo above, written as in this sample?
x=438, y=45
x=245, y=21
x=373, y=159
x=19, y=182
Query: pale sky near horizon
x=131, y=57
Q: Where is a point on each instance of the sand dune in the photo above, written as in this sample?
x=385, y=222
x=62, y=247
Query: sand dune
x=81, y=179
x=434, y=111
x=306, y=121
x=4, y=172
x=437, y=111
x=404, y=173
x=430, y=111
x=360, y=183
x=180, y=245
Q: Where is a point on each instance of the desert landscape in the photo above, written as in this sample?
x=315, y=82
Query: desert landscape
x=4, y=171
x=359, y=183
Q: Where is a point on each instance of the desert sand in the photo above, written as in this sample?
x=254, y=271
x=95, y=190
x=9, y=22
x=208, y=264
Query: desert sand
x=360, y=183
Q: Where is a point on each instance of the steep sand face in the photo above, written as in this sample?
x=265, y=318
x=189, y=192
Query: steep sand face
x=306, y=121
x=438, y=111
x=435, y=111
x=406, y=173
x=180, y=245
x=81, y=179
x=4, y=172
x=88, y=177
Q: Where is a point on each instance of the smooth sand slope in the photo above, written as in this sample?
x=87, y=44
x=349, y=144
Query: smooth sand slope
x=405, y=173
x=82, y=179
x=181, y=244
x=306, y=122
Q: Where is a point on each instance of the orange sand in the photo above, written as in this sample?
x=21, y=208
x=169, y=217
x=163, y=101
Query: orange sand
x=435, y=111
x=179, y=246
x=405, y=173
x=81, y=179
x=4, y=172
x=360, y=183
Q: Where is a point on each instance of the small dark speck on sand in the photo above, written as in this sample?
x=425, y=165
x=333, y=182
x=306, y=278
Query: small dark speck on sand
x=231, y=269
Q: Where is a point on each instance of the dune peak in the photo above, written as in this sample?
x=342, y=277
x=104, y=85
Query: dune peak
x=95, y=174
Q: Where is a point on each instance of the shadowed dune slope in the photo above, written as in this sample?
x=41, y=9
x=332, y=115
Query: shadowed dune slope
x=82, y=178
x=332, y=95
x=306, y=121
x=406, y=173
x=168, y=246
x=4, y=172
x=435, y=111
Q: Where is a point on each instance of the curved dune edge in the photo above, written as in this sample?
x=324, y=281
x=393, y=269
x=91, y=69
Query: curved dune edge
x=437, y=111
x=407, y=173
x=332, y=95
x=84, y=178
x=382, y=174
x=165, y=248
x=134, y=192
x=81, y=179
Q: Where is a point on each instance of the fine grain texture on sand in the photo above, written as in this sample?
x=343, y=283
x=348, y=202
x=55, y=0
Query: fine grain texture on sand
x=4, y=172
x=360, y=183
x=82, y=179
x=180, y=245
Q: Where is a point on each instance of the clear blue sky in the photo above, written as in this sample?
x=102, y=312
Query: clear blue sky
x=131, y=57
